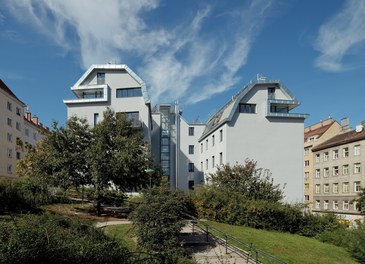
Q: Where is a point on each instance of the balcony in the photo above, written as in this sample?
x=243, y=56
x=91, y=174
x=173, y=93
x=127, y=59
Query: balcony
x=89, y=94
x=282, y=108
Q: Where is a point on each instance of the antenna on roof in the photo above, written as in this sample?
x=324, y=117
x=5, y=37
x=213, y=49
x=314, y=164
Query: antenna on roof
x=260, y=77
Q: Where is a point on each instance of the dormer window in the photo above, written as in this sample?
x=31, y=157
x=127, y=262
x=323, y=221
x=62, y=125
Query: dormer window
x=100, y=78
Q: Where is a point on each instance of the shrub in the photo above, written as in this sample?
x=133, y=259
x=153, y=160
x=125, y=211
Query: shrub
x=55, y=239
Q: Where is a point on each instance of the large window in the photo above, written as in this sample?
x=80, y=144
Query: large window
x=129, y=92
x=279, y=108
x=132, y=117
x=93, y=94
x=247, y=108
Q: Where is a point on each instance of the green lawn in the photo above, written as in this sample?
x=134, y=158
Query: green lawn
x=123, y=234
x=288, y=247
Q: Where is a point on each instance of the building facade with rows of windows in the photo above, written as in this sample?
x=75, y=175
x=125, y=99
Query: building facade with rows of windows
x=257, y=124
x=339, y=173
x=17, y=130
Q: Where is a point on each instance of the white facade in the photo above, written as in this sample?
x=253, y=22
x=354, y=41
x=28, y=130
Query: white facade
x=114, y=86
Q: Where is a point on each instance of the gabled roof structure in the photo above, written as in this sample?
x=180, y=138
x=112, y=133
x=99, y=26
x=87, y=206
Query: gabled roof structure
x=318, y=131
x=225, y=114
x=7, y=90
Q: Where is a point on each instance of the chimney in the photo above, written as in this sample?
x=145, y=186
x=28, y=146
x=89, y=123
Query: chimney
x=35, y=119
x=345, y=124
x=28, y=115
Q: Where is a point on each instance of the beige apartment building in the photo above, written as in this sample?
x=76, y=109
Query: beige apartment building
x=339, y=173
x=16, y=130
x=313, y=136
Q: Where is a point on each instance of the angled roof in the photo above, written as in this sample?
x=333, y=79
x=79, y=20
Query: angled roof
x=114, y=67
x=225, y=114
x=318, y=131
x=7, y=90
x=341, y=139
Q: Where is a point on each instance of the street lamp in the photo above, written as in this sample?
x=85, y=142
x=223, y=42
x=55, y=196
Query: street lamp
x=149, y=172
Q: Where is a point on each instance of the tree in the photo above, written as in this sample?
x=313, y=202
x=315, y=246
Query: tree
x=254, y=183
x=117, y=156
x=159, y=219
x=360, y=201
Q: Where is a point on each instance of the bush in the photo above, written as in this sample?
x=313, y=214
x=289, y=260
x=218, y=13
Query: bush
x=55, y=239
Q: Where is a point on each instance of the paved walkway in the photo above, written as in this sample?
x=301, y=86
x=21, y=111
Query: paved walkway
x=114, y=222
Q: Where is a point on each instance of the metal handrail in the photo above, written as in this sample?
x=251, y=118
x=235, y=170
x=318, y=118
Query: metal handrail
x=250, y=247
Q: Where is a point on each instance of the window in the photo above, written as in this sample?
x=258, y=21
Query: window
x=318, y=159
x=191, y=149
x=355, y=205
x=213, y=140
x=221, y=135
x=18, y=155
x=10, y=169
x=10, y=137
x=96, y=119
x=206, y=164
x=335, y=154
x=325, y=156
x=357, y=150
x=345, y=187
x=221, y=158
x=311, y=139
x=100, y=78
x=306, y=186
x=191, y=167
x=326, y=188
x=93, y=94
x=357, y=186
x=132, y=117
x=271, y=92
x=10, y=153
x=247, y=108
x=10, y=122
x=17, y=109
x=129, y=92
x=306, y=175
x=279, y=108
x=325, y=204
x=306, y=151
x=318, y=188
x=318, y=204
x=345, y=169
x=318, y=173
x=306, y=198
x=326, y=172
x=306, y=163
x=206, y=144
x=357, y=168
x=10, y=106
x=213, y=161
x=335, y=205
x=201, y=147
x=345, y=152
x=345, y=205
x=17, y=125
x=335, y=187
x=201, y=166
x=335, y=171
x=191, y=131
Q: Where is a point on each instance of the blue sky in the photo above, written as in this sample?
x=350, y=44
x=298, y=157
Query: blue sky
x=198, y=52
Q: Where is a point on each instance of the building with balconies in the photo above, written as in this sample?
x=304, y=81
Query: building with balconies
x=115, y=86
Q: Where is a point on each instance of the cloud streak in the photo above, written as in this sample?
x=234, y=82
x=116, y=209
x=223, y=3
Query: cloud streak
x=338, y=36
x=190, y=61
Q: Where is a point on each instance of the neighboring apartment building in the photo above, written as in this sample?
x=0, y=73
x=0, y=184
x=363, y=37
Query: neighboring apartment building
x=339, y=168
x=313, y=136
x=114, y=86
x=256, y=124
x=16, y=130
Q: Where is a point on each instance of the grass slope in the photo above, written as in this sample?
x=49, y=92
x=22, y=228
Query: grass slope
x=288, y=247
x=123, y=234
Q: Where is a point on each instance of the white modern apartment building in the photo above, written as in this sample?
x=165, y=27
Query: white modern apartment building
x=114, y=86
x=16, y=130
x=257, y=124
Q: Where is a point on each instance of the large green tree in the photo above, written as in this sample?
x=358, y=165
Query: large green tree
x=253, y=182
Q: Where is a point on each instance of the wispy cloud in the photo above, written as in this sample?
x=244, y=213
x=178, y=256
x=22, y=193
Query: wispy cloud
x=338, y=36
x=190, y=61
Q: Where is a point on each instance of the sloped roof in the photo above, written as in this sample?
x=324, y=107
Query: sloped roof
x=225, y=114
x=318, y=131
x=341, y=139
x=114, y=67
x=6, y=89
